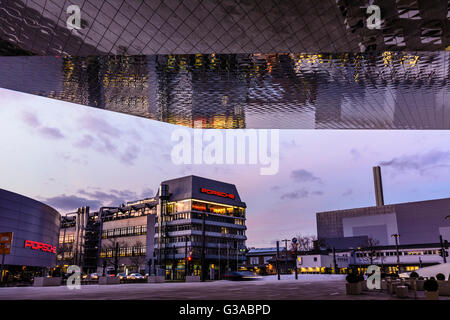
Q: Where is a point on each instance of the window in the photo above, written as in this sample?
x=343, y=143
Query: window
x=254, y=260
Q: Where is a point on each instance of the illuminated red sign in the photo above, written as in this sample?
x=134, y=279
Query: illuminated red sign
x=40, y=246
x=218, y=193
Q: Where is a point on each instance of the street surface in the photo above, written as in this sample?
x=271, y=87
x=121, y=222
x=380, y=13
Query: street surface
x=308, y=287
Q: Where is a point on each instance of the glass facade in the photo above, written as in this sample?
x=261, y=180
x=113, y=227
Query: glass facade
x=189, y=223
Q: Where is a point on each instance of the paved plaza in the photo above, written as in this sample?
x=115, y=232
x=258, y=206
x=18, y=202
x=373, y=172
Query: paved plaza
x=306, y=288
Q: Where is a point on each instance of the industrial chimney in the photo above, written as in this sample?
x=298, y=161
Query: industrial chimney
x=378, y=186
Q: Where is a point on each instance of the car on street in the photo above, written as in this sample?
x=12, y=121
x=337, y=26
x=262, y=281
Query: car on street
x=241, y=276
x=122, y=276
x=135, y=276
x=93, y=276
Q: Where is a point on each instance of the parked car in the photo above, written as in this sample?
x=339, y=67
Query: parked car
x=135, y=276
x=241, y=276
x=122, y=276
x=93, y=276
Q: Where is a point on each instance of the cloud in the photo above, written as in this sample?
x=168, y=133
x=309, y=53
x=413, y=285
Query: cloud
x=71, y=202
x=130, y=154
x=111, y=198
x=30, y=119
x=107, y=139
x=355, y=154
x=419, y=162
x=51, y=133
x=147, y=193
x=86, y=142
x=300, y=194
x=347, y=192
x=302, y=175
x=96, y=199
x=99, y=126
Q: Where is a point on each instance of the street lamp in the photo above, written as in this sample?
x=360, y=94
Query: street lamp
x=395, y=235
x=294, y=244
x=443, y=247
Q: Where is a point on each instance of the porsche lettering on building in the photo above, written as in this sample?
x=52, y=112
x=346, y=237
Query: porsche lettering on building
x=217, y=193
x=40, y=246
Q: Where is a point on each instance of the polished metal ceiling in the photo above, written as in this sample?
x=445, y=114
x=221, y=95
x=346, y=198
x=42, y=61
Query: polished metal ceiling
x=148, y=27
x=389, y=90
x=237, y=63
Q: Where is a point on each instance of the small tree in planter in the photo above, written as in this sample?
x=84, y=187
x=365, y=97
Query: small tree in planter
x=419, y=283
x=414, y=275
x=353, y=285
x=431, y=287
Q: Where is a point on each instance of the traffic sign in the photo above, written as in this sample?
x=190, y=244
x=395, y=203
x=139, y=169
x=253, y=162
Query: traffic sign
x=5, y=242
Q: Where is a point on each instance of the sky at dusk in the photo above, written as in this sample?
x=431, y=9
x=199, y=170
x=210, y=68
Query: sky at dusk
x=68, y=155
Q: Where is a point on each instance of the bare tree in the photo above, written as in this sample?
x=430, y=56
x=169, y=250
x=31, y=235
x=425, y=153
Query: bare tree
x=113, y=244
x=137, y=258
x=371, y=250
x=306, y=243
x=66, y=249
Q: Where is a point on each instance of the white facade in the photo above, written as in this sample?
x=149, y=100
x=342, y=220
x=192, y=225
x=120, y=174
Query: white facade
x=321, y=261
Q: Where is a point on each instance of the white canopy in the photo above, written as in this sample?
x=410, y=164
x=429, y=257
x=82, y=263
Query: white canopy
x=432, y=271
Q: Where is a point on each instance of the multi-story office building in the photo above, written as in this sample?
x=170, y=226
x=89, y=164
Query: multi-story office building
x=388, y=258
x=418, y=229
x=201, y=221
x=113, y=238
x=28, y=237
x=415, y=222
x=191, y=222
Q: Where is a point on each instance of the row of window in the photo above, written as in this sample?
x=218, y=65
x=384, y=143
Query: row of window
x=198, y=227
x=189, y=205
x=67, y=256
x=70, y=238
x=196, y=215
x=124, y=252
x=178, y=216
x=223, y=219
x=124, y=232
x=218, y=209
x=197, y=251
x=197, y=238
x=127, y=214
x=400, y=253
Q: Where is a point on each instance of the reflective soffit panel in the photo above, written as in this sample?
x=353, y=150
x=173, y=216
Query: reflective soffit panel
x=117, y=27
x=388, y=90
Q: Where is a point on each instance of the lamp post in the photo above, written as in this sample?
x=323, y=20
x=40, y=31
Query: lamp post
x=443, y=251
x=334, y=261
x=277, y=260
x=294, y=245
x=395, y=235
x=174, y=267
x=443, y=247
x=285, y=256
x=203, y=256
x=185, y=256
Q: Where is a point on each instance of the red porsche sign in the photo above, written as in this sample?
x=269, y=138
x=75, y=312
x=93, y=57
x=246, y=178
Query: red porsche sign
x=217, y=193
x=40, y=246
